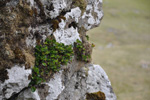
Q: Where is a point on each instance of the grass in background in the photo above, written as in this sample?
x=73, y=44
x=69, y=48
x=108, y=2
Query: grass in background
x=123, y=47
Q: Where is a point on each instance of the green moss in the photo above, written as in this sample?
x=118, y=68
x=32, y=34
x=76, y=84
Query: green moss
x=81, y=52
x=50, y=56
x=81, y=4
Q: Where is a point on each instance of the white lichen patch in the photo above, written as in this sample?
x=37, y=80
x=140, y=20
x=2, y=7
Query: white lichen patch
x=42, y=31
x=98, y=12
x=58, y=6
x=18, y=79
x=56, y=86
x=74, y=14
x=66, y=36
x=31, y=2
x=31, y=41
x=97, y=80
x=93, y=14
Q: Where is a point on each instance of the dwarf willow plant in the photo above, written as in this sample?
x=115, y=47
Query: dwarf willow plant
x=80, y=51
x=49, y=57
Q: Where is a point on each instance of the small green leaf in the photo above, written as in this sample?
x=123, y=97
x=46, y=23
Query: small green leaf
x=44, y=64
x=33, y=89
x=35, y=69
x=39, y=81
x=87, y=37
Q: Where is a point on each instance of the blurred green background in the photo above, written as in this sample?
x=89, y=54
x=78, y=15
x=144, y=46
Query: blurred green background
x=123, y=47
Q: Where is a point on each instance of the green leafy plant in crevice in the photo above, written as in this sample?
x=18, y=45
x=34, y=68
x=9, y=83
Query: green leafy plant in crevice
x=87, y=37
x=81, y=52
x=92, y=45
x=50, y=56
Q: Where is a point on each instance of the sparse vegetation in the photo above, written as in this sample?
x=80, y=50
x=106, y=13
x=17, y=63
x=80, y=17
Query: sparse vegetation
x=49, y=57
x=80, y=51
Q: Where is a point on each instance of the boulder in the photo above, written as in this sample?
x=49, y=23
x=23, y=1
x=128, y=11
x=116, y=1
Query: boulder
x=27, y=24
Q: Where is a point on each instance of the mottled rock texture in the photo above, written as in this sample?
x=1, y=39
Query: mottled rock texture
x=27, y=23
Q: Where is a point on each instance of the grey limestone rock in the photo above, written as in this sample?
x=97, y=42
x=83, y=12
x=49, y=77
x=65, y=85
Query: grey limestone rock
x=27, y=23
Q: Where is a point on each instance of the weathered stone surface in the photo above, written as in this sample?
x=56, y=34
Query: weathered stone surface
x=18, y=79
x=27, y=23
x=88, y=79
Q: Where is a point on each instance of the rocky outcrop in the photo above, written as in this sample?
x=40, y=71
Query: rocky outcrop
x=89, y=79
x=27, y=30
